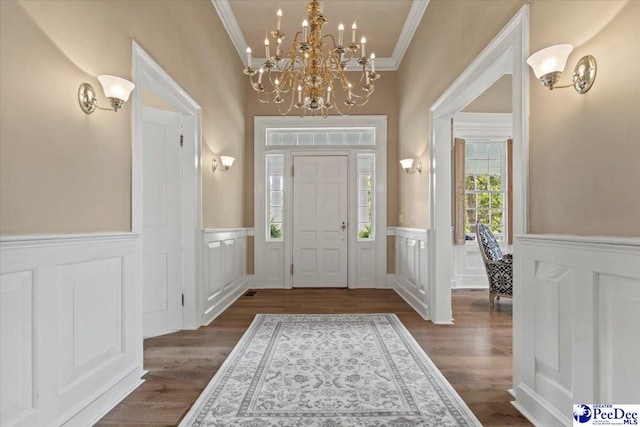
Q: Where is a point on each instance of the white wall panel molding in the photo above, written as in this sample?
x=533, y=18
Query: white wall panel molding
x=576, y=311
x=224, y=270
x=411, y=278
x=70, y=330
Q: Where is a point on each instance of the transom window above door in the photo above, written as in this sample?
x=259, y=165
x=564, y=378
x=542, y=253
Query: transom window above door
x=321, y=136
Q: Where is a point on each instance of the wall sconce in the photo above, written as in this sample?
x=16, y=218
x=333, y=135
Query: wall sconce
x=548, y=64
x=226, y=163
x=408, y=163
x=116, y=89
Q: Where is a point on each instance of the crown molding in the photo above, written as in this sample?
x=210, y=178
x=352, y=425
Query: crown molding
x=410, y=26
x=233, y=29
x=382, y=64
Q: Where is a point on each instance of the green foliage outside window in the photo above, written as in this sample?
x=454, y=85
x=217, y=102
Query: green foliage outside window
x=366, y=232
x=275, y=229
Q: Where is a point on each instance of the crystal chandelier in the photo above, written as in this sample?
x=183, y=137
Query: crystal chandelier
x=306, y=80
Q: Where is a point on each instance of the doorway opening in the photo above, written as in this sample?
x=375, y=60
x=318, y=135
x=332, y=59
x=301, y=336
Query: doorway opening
x=166, y=196
x=320, y=202
x=505, y=54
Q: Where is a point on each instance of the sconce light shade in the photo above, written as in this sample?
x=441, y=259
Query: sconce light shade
x=549, y=63
x=116, y=89
x=550, y=60
x=406, y=164
x=227, y=161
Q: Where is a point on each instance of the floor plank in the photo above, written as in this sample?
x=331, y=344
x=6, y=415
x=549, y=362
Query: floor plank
x=474, y=353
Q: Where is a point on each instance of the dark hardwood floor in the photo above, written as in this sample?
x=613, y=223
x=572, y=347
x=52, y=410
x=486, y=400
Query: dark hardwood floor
x=474, y=354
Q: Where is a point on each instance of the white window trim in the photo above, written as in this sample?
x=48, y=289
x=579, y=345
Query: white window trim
x=486, y=127
x=261, y=124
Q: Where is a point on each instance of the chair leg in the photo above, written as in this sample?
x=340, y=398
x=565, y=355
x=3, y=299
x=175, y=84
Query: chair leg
x=491, y=296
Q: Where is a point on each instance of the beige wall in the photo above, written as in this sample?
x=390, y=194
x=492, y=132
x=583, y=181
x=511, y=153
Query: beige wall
x=383, y=101
x=450, y=35
x=584, y=149
x=66, y=172
x=496, y=99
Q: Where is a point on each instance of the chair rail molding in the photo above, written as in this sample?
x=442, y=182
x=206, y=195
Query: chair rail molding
x=576, y=312
x=71, y=327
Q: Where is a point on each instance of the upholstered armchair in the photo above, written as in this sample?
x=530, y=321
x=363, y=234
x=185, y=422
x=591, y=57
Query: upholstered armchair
x=499, y=267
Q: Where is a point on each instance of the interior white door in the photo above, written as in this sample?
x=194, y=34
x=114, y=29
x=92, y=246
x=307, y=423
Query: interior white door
x=320, y=221
x=162, y=254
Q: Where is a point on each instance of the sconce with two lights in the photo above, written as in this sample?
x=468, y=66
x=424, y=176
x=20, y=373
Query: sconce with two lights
x=549, y=63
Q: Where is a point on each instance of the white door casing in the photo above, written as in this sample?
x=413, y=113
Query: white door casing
x=162, y=269
x=320, y=219
x=366, y=258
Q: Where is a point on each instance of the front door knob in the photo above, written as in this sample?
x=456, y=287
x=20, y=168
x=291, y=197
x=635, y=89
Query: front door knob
x=344, y=225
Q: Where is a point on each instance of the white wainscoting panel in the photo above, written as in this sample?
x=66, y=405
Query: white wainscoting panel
x=225, y=277
x=576, y=314
x=17, y=346
x=274, y=266
x=411, y=278
x=366, y=264
x=70, y=333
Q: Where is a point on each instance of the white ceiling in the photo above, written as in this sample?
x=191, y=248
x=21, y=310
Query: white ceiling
x=388, y=25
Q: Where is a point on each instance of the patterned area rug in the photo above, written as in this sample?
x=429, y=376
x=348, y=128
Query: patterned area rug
x=328, y=370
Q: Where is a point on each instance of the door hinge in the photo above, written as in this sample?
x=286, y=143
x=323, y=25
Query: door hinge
x=183, y=300
x=292, y=269
x=181, y=140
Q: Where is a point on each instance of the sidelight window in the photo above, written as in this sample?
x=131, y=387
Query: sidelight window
x=275, y=197
x=365, y=194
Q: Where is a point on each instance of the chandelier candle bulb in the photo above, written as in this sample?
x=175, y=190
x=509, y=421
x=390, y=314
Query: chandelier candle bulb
x=305, y=25
x=363, y=41
x=353, y=33
x=299, y=94
x=340, y=34
x=248, y=57
x=266, y=48
x=279, y=22
x=278, y=43
x=373, y=62
x=329, y=95
x=260, y=72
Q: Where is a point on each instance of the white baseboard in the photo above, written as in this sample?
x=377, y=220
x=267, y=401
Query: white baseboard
x=92, y=412
x=421, y=308
x=537, y=410
x=238, y=288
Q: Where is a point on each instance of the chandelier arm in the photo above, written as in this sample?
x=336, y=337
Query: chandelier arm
x=330, y=36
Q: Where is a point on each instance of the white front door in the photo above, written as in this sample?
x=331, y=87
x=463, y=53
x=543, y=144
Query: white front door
x=162, y=255
x=320, y=221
